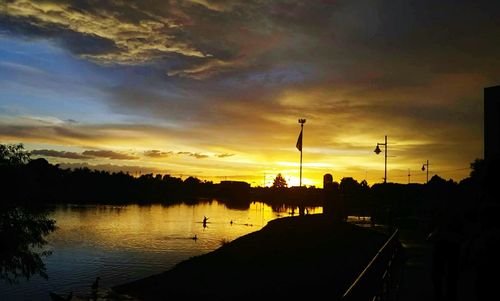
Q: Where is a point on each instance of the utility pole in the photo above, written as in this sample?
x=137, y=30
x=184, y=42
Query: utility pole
x=408, y=176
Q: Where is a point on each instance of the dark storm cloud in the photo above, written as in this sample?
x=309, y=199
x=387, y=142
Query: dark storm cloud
x=103, y=31
x=217, y=36
x=59, y=154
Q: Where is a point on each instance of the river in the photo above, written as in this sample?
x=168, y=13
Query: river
x=124, y=243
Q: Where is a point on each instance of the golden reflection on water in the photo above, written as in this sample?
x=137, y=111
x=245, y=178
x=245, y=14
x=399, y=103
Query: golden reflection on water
x=156, y=228
x=125, y=243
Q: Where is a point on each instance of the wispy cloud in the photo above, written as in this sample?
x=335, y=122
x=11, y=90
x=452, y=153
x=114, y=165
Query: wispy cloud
x=219, y=78
x=59, y=154
x=132, y=169
x=225, y=155
x=98, y=32
x=196, y=155
x=157, y=153
x=109, y=155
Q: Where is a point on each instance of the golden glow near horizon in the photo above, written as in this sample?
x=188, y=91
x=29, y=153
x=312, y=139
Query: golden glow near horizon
x=259, y=170
x=214, y=89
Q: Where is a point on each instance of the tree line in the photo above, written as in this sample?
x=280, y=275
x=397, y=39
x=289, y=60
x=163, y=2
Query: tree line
x=36, y=181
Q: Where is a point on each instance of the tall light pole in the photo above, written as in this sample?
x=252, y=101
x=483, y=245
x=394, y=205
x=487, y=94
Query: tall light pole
x=378, y=151
x=426, y=169
x=299, y=146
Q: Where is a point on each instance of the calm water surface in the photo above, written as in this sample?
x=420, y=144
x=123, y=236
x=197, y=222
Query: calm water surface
x=124, y=243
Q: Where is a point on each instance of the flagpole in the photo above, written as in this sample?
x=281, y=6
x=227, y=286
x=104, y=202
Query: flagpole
x=301, y=121
x=302, y=126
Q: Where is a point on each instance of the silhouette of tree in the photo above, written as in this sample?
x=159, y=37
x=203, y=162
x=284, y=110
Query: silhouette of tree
x=13, y=154
x=477, y=169
x=279, y=182
x=348, y=185
x=364, y=184
x=192, y=181
x=22, y=239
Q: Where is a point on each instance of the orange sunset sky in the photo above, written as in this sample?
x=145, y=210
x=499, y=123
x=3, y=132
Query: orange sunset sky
x=214, y=89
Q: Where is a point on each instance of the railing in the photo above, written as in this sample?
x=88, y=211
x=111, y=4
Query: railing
x=379, y=281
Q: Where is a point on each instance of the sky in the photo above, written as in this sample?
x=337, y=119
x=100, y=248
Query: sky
x=214, y=89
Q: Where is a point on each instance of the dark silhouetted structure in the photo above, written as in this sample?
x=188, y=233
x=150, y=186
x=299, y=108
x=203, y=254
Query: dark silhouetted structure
x=333, y=205
x=491, y=139
x=446, y=238
x=327, y=189
x=492, y=122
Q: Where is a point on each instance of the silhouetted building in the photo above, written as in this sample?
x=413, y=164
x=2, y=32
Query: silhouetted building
x=327, y=180
x=332, y=203
x=491, y=139
x=492, y=123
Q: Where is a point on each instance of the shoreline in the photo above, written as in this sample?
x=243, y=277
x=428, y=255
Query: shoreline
x=303, y=256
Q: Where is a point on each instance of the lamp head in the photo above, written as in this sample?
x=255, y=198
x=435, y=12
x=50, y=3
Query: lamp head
x=423, y=167
x=377, y=150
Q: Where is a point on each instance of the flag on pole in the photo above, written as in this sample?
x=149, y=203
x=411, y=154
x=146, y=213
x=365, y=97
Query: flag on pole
x=299, y=141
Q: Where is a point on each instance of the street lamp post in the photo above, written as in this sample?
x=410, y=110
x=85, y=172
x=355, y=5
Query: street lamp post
x=426, y=169
x=378, y=151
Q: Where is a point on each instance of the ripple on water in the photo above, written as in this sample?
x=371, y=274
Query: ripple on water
x=125, y=243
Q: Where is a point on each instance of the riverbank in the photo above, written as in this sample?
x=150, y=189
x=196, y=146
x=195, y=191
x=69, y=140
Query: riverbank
x=301, y=257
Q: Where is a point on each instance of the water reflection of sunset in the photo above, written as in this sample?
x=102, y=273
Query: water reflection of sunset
x=155, y=228
x=125, y=243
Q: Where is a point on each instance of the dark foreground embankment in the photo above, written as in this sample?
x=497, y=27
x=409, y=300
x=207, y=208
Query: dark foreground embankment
x=294, y=257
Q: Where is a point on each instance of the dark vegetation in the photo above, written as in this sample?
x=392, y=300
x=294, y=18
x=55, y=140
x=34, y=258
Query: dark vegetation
x=22, y=228
x=22, y=232
x=37, y=182
x=30, y=184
